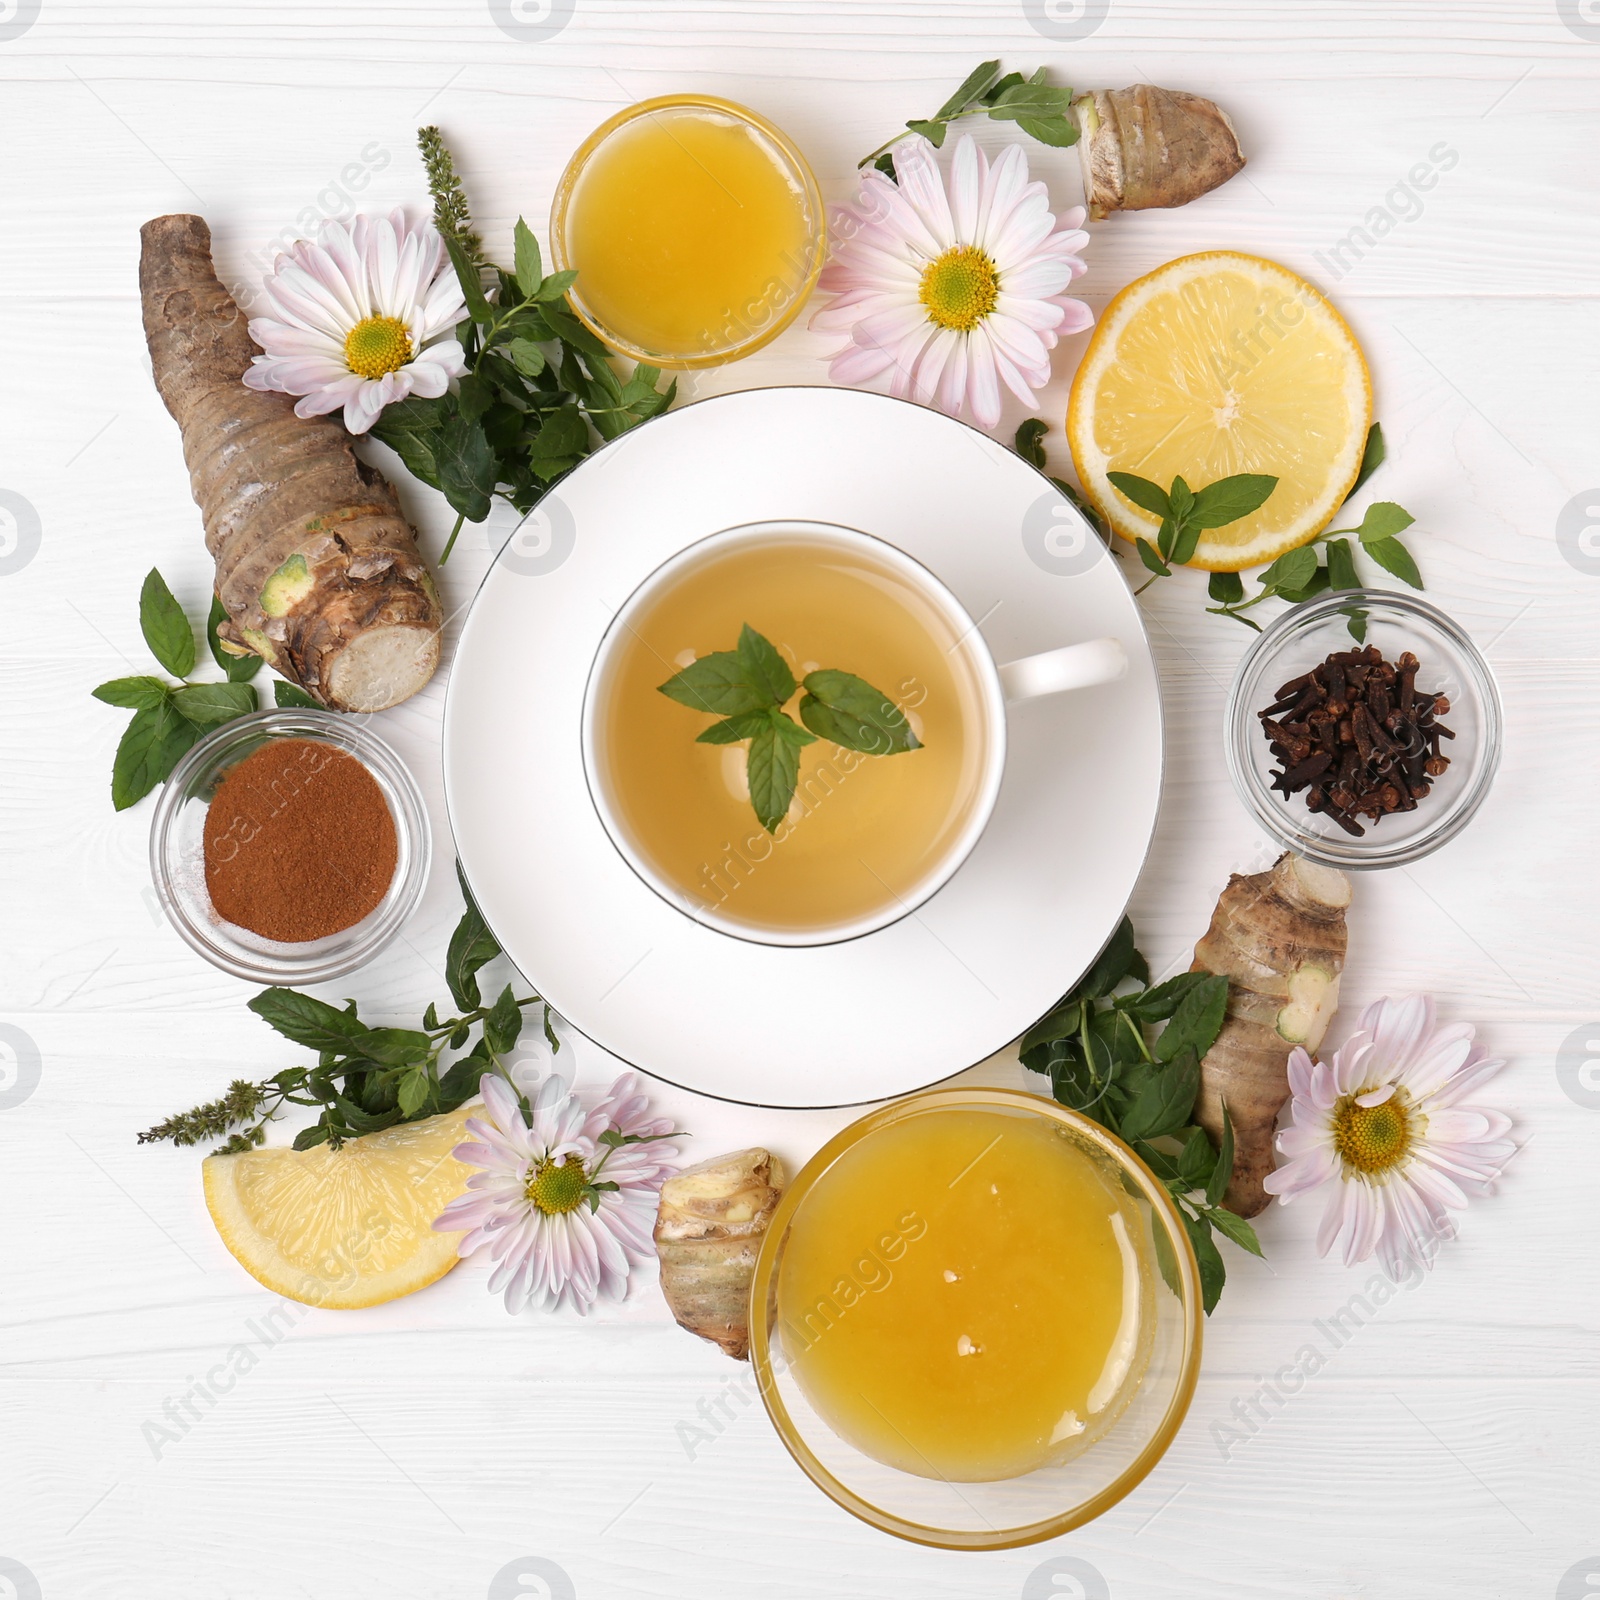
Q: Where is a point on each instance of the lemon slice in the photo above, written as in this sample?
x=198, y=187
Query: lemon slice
x=1216, y=364
x=343, y=1228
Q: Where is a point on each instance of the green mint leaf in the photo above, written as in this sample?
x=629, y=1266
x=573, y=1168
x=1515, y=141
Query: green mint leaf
x=1235, y=1228
x=240, y=669
x=1341, y=565
x=1213, y=1274
x=166, y=630
x=472, y=947
x=1372, y=457
x=1058, y=132
x=933, y=132
x=764, y=665
x=1166, y=538
x=393, y=1047
x=1159, y=1003
x=1148, y=555
x=561, y=442
x=154, y=743
x=789, y=729
x=474, y=397
x=773, y=766
x=847, y=710
x=1149, y=496
x=415, y=1088
x=308, y=1021
x=526, y=356
x=1061, y=1023
x=570, y=331
x=290, y=696
x=134, y=694
x=430, y=1017
x=414, y=447
x=1314, y=585
x=1393, y=557
x=732, y=729
x=1357, y=623
x=1196, y=1021
x=1119, y=960
x=1035, y=100
x=526, y=262
x=718, y=684
x=973, y=87
x=1166, y=1260
x=1222, y=1172
x=503, y=1026
x=885, y=165
x=467, y=469
x=471, y=281
x=1382, y=520
x=1292, y=570
x=556, y=285
x=209, y=705
x=1166, y=1101
x=1001, y=85
x=1186, y=543
x=1237, y=616
x=1180, y=500
x=1197, y=1161
x=1228, y=499
x=1226, y=587
x=310, y=1138
x=1029, y=443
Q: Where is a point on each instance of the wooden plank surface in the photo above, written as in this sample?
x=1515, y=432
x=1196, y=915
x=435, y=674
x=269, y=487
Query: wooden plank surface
x=1446, y=1448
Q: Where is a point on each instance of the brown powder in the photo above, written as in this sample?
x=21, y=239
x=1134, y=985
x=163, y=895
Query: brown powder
x=299, y=842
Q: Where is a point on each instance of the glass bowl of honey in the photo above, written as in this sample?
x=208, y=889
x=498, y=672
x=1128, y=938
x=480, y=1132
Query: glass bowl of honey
x=976, y=1319
x=696, y=229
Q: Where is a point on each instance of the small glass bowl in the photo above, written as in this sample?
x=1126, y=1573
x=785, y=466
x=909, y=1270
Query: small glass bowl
x=745, y=332
x=177, y=860
x=1003, y=1514
x=1302, y=638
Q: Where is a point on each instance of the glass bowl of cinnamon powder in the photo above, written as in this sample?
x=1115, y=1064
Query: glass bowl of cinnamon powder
x=290, y=846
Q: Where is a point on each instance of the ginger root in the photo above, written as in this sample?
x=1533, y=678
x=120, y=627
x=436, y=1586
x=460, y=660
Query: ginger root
x=708, y=1233
x=1278, y=937
x=317, y=567
x=1145, y=146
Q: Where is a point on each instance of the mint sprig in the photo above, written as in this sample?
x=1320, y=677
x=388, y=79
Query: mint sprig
x=1187, y=513
x=1040, y=111
x=747, y=688
x=1094, y=1048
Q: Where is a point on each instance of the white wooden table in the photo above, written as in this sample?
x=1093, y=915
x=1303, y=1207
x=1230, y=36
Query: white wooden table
x=438, y=1447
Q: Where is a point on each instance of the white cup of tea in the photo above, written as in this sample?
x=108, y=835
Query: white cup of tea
x=867, y=839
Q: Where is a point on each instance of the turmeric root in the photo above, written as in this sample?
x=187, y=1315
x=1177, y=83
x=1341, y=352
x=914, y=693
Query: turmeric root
x=1143, y=147
x=1278, y=937
x=708, y=1233
x=317, y=567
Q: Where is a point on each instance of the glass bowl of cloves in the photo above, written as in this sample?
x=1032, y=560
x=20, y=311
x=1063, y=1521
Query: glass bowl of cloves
x=1363, y=729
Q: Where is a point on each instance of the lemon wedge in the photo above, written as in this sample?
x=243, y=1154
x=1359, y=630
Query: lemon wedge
x=343, y=1228
x=1217, y=364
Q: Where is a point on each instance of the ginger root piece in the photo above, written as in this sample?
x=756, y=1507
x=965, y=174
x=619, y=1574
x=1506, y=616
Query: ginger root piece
x=1145, y=146
x=1278, y=937
x=317, y=567
x=708, y=1234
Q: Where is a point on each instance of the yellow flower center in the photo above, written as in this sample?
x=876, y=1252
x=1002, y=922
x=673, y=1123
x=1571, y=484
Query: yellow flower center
x=960, y=288
x=1375, y=1138
x=377, y=345
x=556, y=1187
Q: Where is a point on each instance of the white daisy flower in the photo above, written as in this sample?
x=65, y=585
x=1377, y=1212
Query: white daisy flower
x=1385, y=1117
x=564, y=1200
x=952, y=294
x=361, y=318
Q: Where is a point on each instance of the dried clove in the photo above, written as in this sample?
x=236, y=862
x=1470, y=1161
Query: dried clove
x=1358, y=737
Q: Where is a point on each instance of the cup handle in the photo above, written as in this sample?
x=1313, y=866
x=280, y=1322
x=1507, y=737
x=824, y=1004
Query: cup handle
x=1074, y=666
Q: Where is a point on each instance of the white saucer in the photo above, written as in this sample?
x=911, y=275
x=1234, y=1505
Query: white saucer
x=868, y=1018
